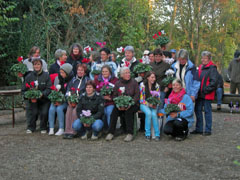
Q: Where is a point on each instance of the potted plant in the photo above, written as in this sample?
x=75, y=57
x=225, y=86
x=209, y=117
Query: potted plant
x=123, y=101
x=86, y=118
x=167, y=82
x=73, y=96
x=154, y=100
x=32, y=93
x=56, y=96
x=141, y=69
x=172, y=108
x=161, y=39
x=120, y=55
x=19, y=68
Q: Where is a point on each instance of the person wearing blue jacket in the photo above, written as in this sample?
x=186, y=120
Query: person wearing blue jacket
x=186, y=71
x=178, y=123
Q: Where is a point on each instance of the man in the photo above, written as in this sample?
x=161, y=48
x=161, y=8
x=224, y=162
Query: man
x=233, y=71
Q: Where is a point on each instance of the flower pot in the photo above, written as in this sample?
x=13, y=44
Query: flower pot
x=20, y=74
x=142, y=74
x=57, y=103
x=170, y=85
x=73, y=105
x=95, y=76
x=33, y=100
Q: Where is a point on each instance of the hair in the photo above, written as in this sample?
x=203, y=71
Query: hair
x=106, y=50
x=183, y=53
x=150, y=53
x=76, y=45
x=59, y=53
x=158, y=51
x=122, y=69
x=149, y=73
x=177, y=81
x=34, y=60
x=114, y=54
x=107, y=67
x=91, y=83
x=129, y=48
x=84, y=66
x=167, y=54
x=95, y=55
x=207, y=53
x=32, y=51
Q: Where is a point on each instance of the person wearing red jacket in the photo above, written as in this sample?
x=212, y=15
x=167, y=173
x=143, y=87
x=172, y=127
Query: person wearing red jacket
x=208, y=76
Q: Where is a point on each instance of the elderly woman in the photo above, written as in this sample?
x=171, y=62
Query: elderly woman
x=77, y=85
x=64, y=78
x=93, y=102
x=42, y=82
x=61, y=57
x=75, y=57
x=208, y=76
x=132, y=90
x=178, y=123
x=146, y=87
x=185, y=70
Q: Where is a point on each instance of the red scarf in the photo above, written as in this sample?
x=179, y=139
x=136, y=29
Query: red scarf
x=75, y=57
x=62, y=62
x=175, y=98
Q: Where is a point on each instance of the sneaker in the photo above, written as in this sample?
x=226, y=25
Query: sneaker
x=43, y=131
x=84, y=136
x=196, y=132
x=157, y=138
x=128, y=138
x=51, y=132
x=60, y=132
x=109, y=137
x=94, y=137
x=29, y=131
x=148, y=138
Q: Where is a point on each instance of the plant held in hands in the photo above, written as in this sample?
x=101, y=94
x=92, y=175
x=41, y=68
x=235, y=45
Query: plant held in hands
x=72, y=96
x=154, y=99
x=123, y=101
x=86, y=117
x=19, y=68
x=141, y=68
x=172, y=108
x=32, y=92
x=56, y=96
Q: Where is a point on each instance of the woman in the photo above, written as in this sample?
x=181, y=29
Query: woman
x=106, y=78
x=90, y=100
x=78, y=82
x=64, y=78
x=208, y=76
x=75, y=57
x=42, y=82
x=61, y=57
x=149, y=84
x=132, y=90
x=178, y=123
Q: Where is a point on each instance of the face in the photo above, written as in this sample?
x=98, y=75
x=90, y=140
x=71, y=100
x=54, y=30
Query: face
x=80, y=72
x=104, y=56
x=63, y=74
x=177, y=87
x=75, y=51
x=129, y=55
x=105, y=73
x=173, y=55
x=126, y=75
x=89, y=89
x=63, y=57
x=37, y=66
x=113, y=57
x=151, y=79
x=205, y=60
x=182, y=61
x=151, y=57
x=158, y=58
x=37, y=53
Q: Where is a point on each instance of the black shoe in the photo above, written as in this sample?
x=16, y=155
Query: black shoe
x=219, y=107
x=157, y=138
x=207, y=134
x=148, y=138
x=68, y=136
x=196, y=132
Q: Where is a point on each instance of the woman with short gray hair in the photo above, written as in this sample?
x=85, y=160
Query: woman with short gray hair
x=61, y=57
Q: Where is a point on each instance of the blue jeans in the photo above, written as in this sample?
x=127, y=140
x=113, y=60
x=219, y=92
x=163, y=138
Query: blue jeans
x=96, y=126
x=219, y=93
x=200, y=103
x=108, y=112
x=162, y=97
x=150, y=114
x=60, y=115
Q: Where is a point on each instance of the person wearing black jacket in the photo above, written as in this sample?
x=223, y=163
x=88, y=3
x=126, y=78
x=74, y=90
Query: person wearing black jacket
x=42, y=82
x=61, y=57
x=93, y=102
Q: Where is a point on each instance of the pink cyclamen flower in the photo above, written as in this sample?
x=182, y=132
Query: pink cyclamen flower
x=155, y=93
x=86, y=113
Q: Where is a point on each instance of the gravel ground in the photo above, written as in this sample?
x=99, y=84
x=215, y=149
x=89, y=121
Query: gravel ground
x=36, y=156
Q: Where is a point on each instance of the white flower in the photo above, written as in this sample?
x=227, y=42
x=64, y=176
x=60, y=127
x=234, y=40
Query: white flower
x=87, y=50
x=169, y=60
x=69, y=93
x=58, y=87
x=110, y=84
x=122, y=89
x=162, y=31
x=169, y=72
x=36, y=83
x=98, y=66
x=120, y=49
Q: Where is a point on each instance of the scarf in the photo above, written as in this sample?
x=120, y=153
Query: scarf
x=182, y=76
x=175, y=98
x=75, y=57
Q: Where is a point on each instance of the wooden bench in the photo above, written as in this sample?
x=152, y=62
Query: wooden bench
x=11, y=93
x=228, y=98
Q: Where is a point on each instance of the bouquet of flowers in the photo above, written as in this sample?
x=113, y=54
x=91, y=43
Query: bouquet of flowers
x=120, y=56
x=154, y=99
x=56, y=96
x=72, y=96
x=96, y=72
x=161, y=38
x=172, y=108
x=142, y=68
x=123, y=101
x=86, y=52
x=19, y=68
x=167, y=82
x=32, y=93
x=86, y=117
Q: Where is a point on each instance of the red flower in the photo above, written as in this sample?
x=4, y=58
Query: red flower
x=122, y=50
x=53, y=88
x=85, y=60
x=20, y=58
x=127, y=63
x=27, y=85
x=155, y=36
x=73, y=89
x=78, y=89
x=62, y=62
x=32, y=83
x=159, y=33
x=140, y=60
x=91, y=49
x=119, y=91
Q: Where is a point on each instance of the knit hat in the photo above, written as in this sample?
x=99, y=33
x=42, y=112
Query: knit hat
x=67, y=68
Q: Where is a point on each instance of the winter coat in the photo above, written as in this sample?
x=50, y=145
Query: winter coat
x=143, y=93
x=233, y=70
x=74, y=63
x=54, y=68
x=94, y=103
x=64, y=82
x=208, y=76
x=75, y=84
x=191, y=80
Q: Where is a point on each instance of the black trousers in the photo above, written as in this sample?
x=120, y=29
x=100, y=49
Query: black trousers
x=128, y=116
x=176, y=128
x=41, y=107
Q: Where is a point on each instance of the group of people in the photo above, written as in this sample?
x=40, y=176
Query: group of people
x=192, y=89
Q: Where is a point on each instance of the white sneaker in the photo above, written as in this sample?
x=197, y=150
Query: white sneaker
x=51, y=132
x=128, y=138
x=29, y=131
x=84, y=136
x=94, y=137
x=60, y=132
x=43, y=131
x=109, y=137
